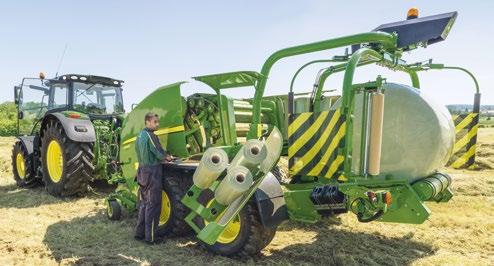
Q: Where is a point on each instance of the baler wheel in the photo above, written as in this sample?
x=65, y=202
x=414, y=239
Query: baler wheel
x=280, y=175
x=173, y=211
x=67, y=165
x=21, y=166
x=113, y=210
x=251, y=239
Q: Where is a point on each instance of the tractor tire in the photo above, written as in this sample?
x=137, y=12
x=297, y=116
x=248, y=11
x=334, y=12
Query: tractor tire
x=22, y=166
x=173, y=212
x=244, y=240
x=113, y=210
x=67, y=165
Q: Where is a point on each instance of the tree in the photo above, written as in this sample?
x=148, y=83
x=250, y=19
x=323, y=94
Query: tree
x=8, y=121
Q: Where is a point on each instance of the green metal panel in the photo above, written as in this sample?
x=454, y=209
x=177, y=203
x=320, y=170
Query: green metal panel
x=228, y=121
x=300, y=207
x=167, y=102
x=406, y=206
x=230, y=79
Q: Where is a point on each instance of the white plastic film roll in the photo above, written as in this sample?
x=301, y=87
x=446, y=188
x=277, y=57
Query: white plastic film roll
x=250, y=155
x=376, y=130
x=274, y=145
x=212, y=164
x=238, y=179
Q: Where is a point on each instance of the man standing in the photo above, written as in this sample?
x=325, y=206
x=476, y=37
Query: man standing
x=150, y=155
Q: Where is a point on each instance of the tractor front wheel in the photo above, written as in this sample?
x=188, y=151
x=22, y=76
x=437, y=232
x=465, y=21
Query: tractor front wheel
x=67, y=165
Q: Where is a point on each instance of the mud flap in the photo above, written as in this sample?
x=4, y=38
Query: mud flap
x=270, y=202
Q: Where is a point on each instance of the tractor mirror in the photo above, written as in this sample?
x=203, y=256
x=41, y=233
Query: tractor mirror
x=17, y=89
x=20, y=115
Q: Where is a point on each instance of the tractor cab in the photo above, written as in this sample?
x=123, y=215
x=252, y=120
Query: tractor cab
x=95, y=96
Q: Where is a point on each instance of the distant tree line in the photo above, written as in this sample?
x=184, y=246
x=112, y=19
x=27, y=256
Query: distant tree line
x=8, y=121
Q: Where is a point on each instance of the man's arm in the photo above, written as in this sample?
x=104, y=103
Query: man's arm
x=160, y=155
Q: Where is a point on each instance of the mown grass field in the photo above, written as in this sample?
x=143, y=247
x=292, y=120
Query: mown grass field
x=486, y=122
x=38, y=229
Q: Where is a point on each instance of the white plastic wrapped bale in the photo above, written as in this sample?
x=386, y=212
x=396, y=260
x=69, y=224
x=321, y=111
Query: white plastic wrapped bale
x=418, y=133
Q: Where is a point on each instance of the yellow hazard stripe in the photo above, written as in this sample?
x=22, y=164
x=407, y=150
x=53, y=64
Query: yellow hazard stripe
x=342, y=178
x=464, y=158
x=301, y=162
x=334, y=166
x=159, y=132
x=299, y=143
x=298, y=122
x=465, y=122
x=465, y=139
x=332, y=146
x=129, y=141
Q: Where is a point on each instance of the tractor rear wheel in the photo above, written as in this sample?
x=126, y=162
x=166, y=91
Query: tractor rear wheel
x=67, y=165
x=22, y=166
x=245, y=236
x=173, y=212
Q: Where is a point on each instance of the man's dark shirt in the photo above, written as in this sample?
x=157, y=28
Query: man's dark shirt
x=148, y=148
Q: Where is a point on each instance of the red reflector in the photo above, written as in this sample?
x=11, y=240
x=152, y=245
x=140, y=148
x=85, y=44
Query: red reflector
x=387, y=198
x=74, y=115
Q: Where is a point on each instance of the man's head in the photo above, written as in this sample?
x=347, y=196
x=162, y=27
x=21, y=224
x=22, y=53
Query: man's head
x=152, y=121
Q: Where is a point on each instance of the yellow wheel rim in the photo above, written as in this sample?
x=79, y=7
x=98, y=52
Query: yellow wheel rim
x=19, y=165
x=232, y=230
x=166, y=208
x=54, y=161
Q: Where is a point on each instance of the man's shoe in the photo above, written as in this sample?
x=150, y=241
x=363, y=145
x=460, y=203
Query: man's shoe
x=139, y=238
x=156, y=241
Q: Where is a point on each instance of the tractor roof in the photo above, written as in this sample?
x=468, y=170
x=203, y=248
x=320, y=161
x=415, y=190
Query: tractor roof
x=230, y=79
x=91, y=79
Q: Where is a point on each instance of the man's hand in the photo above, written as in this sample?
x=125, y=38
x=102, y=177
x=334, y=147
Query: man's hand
x=168, y=158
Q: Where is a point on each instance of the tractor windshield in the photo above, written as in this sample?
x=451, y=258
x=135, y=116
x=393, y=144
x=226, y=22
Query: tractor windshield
x=97, y=98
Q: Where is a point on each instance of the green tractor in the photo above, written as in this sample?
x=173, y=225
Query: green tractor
x=68, y=132
x=376, y=150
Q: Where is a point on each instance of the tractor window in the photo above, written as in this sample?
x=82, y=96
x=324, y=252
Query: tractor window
x=97, y=98
x=59, y=96
x=33, y=103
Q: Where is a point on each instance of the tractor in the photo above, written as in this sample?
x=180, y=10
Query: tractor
x=68, y=132
x=377, y=150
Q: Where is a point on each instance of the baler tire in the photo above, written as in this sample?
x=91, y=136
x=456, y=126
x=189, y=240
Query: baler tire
x=280, y=175
x=252, y=238
x=114, y=210
x=175, y=187
x=77, y=160
x=29, y=177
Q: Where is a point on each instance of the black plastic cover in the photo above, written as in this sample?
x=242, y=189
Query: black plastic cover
x=427, y=30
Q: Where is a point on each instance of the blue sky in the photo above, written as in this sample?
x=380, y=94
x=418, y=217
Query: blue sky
x=152, y=43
